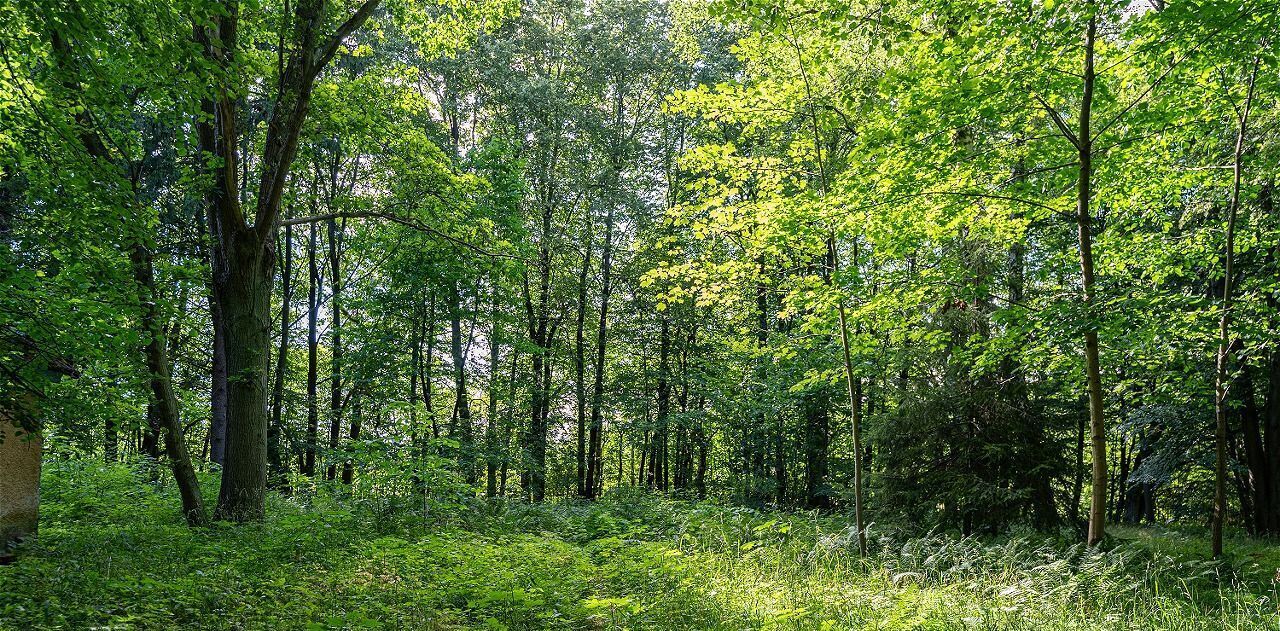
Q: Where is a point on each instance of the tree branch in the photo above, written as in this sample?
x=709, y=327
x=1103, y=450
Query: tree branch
x=329, y=48
x=404, y=221
x=1059, y=123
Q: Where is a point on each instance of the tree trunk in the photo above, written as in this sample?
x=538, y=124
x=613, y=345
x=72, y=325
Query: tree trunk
x=245, y=297
x=853, y=385
x=579, y=368
x=814, y=406
x=509, y=422
x=110, y=441
x=335, y=360
x=166, y=404
x=491, y=420
x=348, y=465
x=541, y=332
x=244, y=253
x=151, y=433
x=1221, y=405
x=1084, y=220
x=218, y=386
x=595, y=445
x=462, y=397
x=428, y=367
x=661, y=430
x=275, y=457
x=1254, y=451
x=313, y=344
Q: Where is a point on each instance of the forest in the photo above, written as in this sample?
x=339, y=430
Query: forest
x=639, y=314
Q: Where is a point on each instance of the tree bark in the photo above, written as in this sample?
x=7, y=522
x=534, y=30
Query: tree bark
x=1084, y=221
x=21, y=445
x=427, y=378
x=275, y=458
x=595, y=437
x=166, y=404
x=335, y=360
x=580, y=367
x=462, y=397
x=217, y=386
x=542, y=332
x=348, y=465
x=1221, y=406
x=244, y=253
x=491, y=421
x=313, y=343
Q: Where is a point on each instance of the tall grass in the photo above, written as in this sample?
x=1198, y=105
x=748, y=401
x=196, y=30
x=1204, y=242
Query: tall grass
x=113, y=553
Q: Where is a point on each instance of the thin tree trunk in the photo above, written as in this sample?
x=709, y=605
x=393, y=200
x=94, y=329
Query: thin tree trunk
x=166, y=404
x=854, y=386
x=428, y=367
x=595, y=460
x=1221, y=406
x=110, y=441
x=491, y=420
x=335, y=359
x=462, y=398
x=313, y=343
x=579, y=367
x=348, y=465
x=1084, y=220
x=275, y=456
x=659, y=452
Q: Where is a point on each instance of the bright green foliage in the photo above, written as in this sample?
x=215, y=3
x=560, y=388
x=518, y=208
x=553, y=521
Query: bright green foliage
x=113, y=553
x=635, y=252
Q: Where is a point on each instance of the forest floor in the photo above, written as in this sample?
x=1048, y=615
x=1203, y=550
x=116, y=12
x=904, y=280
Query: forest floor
x=114, y=554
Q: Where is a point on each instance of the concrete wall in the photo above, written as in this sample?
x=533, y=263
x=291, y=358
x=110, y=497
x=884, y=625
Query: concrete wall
x=19, y=483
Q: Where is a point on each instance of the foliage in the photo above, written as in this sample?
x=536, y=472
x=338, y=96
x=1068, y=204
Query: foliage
x=113, y=551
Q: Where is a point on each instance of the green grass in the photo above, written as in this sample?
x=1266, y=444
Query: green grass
x=114, y=554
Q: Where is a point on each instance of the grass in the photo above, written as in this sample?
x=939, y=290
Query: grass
x=113, y=554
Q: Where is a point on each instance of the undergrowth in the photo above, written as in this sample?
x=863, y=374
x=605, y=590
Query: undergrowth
x=113, y=553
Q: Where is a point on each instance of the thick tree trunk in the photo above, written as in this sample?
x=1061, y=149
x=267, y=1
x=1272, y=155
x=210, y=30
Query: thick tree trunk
x=244, y=294
x=244, y=250
x=218, y=386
